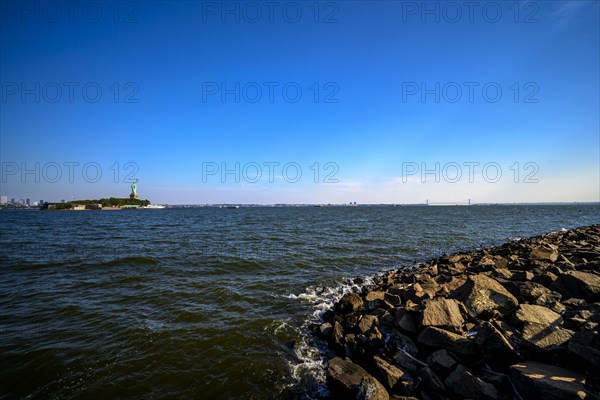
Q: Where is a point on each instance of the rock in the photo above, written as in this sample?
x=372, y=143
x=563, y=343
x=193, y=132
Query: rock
x=349, y=303
x=527, y=292
x=481, y=293
x=392, y=377
x=586, y=345
x=456, y=268
x=431, y=381
x=522, y=276
x=534, y=380
x=337, y=335
x=416, y=293
x=393, y=299
x=406, y=362
x=578, y=284
x=450, y=259
x=545, y=252
x=387, y=322
x=532, y=314
x=495, y=348
x=371, y=389
x=443, y=313
x=501, y=263
x=540, y=328
x=375, y=296
x=502, y=273
x=405, y=321
x=545, y=278
x=366, y=323
x=325, y=329
x=440, y=338
x=353, y=380
x=573, y=302
x=467, y=386
x=398, y=341
x=441, y=360
x=536, y=293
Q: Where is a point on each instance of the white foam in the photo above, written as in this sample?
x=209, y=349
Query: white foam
x=309, y=369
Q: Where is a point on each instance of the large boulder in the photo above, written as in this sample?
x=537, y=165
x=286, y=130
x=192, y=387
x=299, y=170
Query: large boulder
x=484, y=294
x=586, y=345
x=544, y=252
x=366, y=323
x=393, y=378
x=441, y=360
x=495, y=348
x=540, y=328
x=534, y=380
x=352, y=380
x=405, y=321
x=467, y=386
x=578, y=284
x=349, y=303
x=444, y=313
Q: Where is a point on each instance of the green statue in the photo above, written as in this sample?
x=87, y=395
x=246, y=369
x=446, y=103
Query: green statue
x=134, y=189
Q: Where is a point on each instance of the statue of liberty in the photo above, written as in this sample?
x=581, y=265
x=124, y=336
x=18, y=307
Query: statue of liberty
x=134, y=194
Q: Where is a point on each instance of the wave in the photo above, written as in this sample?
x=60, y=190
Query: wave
x=308, y=370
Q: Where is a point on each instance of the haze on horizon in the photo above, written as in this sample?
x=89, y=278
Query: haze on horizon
x=301, y=102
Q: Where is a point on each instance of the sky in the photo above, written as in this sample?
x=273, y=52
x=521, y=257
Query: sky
x=301, y=101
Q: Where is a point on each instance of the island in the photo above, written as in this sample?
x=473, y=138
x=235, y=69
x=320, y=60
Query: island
x=111, y=203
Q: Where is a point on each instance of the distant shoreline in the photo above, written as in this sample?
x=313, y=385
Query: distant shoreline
x=247, y=205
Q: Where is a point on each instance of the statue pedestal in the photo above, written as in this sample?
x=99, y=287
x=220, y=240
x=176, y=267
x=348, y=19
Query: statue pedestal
x=133, y=196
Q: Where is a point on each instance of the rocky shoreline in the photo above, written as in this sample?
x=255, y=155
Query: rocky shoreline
x=516, y=321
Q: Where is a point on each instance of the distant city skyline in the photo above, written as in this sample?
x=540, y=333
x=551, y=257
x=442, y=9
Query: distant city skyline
x=305, y=102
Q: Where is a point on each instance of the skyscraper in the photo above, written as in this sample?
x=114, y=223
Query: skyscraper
x=3, y=200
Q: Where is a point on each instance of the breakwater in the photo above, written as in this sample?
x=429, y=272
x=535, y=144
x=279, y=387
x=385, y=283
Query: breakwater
x=519, y=320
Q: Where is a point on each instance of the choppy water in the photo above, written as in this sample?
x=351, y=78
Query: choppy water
x=207, y=303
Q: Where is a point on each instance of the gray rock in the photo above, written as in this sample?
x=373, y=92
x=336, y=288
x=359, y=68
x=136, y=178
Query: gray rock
x=405, y=321
x=540, y=328
x=495, y=348
x=525, y=291
x=534, y=380
x=393, y=299
x=467, y=386
x=371, y=389
x=401, y=341
x=352, y=380
x=578, y=284
x=349, y=303
x=545, y=252
x=366, y=323
x=443, y=313
x=337, y=335
x=522, y=276
x=441, y=360
x=431, y=381
x=374, y=295
x=586, y=345
x=404, y=361
x=325, y=329
x=545, y=278
x=481, y=293
x=393, y=378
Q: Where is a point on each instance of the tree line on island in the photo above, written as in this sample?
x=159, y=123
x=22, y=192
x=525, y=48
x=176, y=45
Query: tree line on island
x=110, y=202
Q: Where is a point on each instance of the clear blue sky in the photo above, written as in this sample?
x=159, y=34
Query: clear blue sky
x=388, y=88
